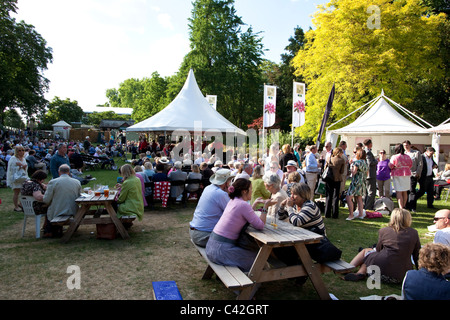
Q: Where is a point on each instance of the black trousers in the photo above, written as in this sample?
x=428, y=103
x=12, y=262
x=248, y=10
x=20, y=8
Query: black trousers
x=411, y=203
x=426, y=185
x=333, y=190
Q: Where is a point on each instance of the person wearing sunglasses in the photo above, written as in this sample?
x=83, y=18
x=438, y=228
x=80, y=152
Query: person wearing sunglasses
x=442, y=222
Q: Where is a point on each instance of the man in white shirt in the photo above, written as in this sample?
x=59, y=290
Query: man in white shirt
x=246, y=173
x=442, y=222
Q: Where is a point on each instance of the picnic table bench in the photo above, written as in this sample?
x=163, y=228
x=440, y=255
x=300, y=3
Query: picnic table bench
x=267, y=268
x=232, y=277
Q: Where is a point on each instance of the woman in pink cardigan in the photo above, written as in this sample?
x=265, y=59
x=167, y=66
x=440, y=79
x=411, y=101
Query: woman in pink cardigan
x=400, y=165
x=222, y=247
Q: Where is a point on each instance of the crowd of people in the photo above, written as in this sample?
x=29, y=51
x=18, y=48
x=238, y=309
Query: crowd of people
x=289, y=193
x=244, y=191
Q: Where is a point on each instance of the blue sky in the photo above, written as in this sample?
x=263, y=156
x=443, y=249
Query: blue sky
x=97, y=44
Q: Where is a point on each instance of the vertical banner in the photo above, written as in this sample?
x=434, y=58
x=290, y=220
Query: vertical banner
x=270, y=105
x=298, y=101
x=326, y=115
x=212, y=100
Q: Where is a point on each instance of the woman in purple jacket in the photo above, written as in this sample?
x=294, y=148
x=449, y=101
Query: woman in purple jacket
x=222, y=247
x=384, y=175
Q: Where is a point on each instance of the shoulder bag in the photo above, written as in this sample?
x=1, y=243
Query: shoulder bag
x=20, y=176
x=327, y=174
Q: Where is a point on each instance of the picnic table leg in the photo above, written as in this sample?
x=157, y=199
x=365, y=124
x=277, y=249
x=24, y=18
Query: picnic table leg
x=208, y=273
x=112, y=213
x=75, y=223
x=313, y=272
x=255, y=273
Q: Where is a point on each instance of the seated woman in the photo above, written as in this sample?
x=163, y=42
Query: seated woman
x=302, y=212
x=130, y=201
x=148, y=169
x=443, y=181
x=36, y=187
x=429, y=283
x=292, y=178
x=194, y=175
x=258, y=188
x=222, y=245
x=396, y=243
x=272, y=182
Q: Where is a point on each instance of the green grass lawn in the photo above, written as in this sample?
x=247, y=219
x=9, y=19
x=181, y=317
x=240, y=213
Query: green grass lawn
x=160, y=249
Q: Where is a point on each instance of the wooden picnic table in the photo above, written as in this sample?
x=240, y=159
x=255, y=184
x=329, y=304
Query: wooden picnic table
x=81, y=218
x=283, y=234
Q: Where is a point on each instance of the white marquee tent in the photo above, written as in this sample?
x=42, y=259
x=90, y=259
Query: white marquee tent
x=189, y=111
x=62, y=128
x=385, y=126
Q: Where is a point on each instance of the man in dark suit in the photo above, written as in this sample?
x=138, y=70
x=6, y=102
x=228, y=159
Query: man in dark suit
x=426, y=182
x=371, y=181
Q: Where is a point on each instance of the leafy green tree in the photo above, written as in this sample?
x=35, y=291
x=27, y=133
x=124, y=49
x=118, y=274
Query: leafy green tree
x=225, y=60
x=13, y=119
x=58, y=110
x=364, y=47
x=145, y=96
x=24, y=56
x=97, y=117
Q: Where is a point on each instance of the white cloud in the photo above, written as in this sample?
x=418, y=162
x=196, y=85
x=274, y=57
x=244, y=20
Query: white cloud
x=165, y=20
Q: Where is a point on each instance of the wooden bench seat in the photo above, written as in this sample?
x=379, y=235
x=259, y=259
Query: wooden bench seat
x=338, y=266
x=232, y=277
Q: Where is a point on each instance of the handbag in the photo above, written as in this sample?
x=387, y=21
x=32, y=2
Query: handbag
x=321, y=187
x=324, y=251
x=20, y=176
x=327, y=174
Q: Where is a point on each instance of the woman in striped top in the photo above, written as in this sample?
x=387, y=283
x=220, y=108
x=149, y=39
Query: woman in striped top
x=302, y=212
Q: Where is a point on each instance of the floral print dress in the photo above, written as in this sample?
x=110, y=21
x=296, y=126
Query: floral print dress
x=358, y=183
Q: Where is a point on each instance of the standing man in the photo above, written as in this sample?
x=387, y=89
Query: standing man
x=442, y=222
x=312, y=170
x=371, y=180
x=416, y=169
x=426, y=182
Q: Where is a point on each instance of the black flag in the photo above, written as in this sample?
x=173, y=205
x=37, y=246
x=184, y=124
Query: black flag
x=326, y=115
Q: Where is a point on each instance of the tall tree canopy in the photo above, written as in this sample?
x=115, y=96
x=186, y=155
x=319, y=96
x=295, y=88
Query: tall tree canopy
x=58, y=109
x=364, y=47
x=24, y=56
x=145, y=96
x=225, y=60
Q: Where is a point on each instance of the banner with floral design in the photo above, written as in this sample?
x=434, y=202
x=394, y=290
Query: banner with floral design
x=212, y=100
x=270, y=105
x=298, y=112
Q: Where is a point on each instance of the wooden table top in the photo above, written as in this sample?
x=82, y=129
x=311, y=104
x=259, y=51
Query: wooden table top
x=93, y=198
x=285, y=233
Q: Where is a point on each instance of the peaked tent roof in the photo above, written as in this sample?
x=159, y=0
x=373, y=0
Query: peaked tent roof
x=189, y=107
x=442, y=128
x=61, y=123
x=381, y=117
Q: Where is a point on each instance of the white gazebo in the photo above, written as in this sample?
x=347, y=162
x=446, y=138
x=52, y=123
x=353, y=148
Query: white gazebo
x=189, y=111
x=386, y=127
x=62, y=128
